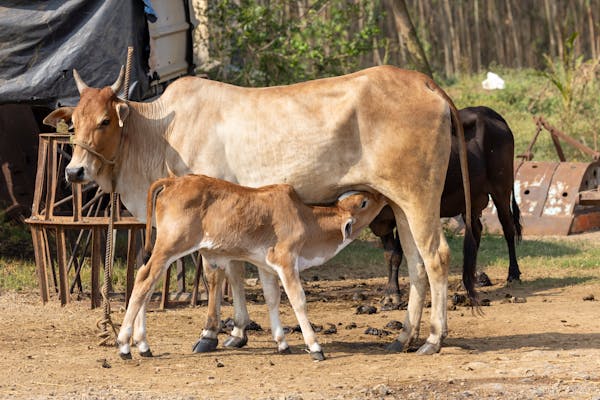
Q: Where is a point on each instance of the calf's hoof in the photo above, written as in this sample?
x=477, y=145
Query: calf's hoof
x=317, y=355
x=395, y=347
x=287, y=350
x=236, y=342
x=429, y=348
x=205, y=345
x=146, y=353
x=125, y=356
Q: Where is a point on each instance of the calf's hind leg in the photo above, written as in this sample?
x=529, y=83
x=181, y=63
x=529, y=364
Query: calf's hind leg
x=235, y=274
x=208, y=339
x=145, y=281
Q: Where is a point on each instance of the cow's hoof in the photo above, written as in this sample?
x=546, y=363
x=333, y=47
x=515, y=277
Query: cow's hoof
x=287, y=350
x=429, y=348
x=205, y=345
x=146, y=353
x=391, y=299
x=317, y=355
x=395, y=347
x=125, y=356
x=236, y=342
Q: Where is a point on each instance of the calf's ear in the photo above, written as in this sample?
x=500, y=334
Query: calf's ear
x=55, y=116
x=122, y=112
x=347, y=228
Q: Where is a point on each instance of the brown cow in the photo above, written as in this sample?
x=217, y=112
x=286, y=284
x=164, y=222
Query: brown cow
x=269, y=227
x=383, y=129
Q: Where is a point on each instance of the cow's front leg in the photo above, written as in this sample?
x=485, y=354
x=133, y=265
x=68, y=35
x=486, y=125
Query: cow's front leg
x=284, y=264
x=272, y=294
x=235, y=272
x=209, y=338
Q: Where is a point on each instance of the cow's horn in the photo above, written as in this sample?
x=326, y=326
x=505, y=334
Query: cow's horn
x=116, y=87
x=78, y=81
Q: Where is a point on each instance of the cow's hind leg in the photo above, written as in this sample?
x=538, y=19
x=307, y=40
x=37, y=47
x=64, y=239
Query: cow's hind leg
x=235, y=272
x=434, y=252
x=272, y=294
x=417, y=288
x=209, y=338
x=511, y=227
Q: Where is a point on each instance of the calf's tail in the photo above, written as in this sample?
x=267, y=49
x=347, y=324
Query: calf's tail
x=153, y=193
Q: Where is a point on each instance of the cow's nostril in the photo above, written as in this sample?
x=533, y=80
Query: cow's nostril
x=74, y=174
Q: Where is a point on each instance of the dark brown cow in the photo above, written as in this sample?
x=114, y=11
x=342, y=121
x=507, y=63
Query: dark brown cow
x=490, y=146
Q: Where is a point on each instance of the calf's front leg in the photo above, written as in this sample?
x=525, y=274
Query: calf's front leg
x=285, y=266
x=273, y=298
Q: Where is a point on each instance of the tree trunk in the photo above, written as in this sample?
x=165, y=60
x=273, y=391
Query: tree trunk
x=477, y=45
x=590, y=20
x=517, y=46
x=408, y=35
x=463, y=27
x=455, y=48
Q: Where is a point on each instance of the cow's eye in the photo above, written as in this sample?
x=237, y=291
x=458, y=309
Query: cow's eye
x=363, y=204
x=105, y=122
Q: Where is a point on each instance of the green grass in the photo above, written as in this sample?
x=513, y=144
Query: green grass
x=529, y=94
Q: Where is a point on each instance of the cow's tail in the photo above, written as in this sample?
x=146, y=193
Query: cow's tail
x=469, y=243
x=516, y=214
x=153, y=192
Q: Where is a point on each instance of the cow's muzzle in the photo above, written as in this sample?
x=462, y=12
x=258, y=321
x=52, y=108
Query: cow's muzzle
x=75, y=175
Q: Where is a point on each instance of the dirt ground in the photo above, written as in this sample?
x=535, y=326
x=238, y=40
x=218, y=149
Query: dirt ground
x=545, y=347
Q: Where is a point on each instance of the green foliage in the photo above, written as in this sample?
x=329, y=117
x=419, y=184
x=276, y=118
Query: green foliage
x=257, y=45
x=527, y=94
x=577, y=83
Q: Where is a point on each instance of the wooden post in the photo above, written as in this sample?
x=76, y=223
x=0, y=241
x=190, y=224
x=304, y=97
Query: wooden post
x=96, y=266
x=40, y=261
x=164, y=301
x=61, y=256
x=180, y=275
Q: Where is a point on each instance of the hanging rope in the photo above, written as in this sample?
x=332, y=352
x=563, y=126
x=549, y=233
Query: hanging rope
x=106, y=321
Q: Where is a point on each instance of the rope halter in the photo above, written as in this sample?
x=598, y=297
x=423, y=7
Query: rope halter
x=90, y=149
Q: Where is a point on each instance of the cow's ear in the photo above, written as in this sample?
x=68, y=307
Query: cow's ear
x=55, y=116
x=122, y=112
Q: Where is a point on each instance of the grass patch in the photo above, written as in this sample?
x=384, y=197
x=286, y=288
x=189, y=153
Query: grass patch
x=528, y=93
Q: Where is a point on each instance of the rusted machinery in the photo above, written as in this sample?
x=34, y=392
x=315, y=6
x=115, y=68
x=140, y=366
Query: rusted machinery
x=555, y=198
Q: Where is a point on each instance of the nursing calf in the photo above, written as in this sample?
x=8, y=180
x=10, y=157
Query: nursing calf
x=269, y=227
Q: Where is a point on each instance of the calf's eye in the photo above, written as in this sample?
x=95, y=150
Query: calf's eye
x=363, y=204
x=105, y=122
